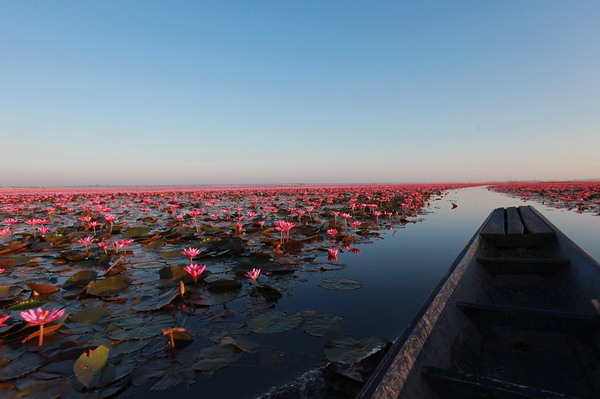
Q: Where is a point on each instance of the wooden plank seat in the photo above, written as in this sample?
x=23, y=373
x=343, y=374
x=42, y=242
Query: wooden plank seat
x=486, y=316
x=449, y=384
x=545, y=267
x=516, y=227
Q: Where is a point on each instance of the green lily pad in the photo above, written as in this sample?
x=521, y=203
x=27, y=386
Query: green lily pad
x=216, y=357
x=24, y=364
x=274, y=321
x=340, y=284
x=89, y=364
x=319, y=325
x=155, y=302
x=27, y=304
x=135, y=232
x=126, y=347
x=81, y=278
x=108, y=286
x=222, y=285
x=90, y=315
x=141, y=327
x=172, y=272
x=170, y=373
x=172, y=254
x=9, y=291
x=348, y=350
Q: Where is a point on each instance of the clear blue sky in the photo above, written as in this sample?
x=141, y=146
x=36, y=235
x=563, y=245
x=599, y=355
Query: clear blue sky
x=225, y=92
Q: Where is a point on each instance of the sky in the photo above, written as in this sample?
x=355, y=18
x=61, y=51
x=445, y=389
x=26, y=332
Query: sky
x=266, y=92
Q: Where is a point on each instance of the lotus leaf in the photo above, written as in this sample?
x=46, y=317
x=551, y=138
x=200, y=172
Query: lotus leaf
x=155, y=302
x=216, y=357
x=340, y=284
x=135, y=232
x=319, y=325
x=9, y=291
x=348, y=350
x=90, y=315
x=108, y=286
x=141, y=327
x=89, y=364
x=81, y=278
x=274, y=321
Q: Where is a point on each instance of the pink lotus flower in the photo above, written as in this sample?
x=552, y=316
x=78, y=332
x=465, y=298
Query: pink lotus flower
x=94, y=224
x=355, y=224
x=11, y=221
x=253, y=274
x=191, y=253
x=333, y=254
x=5, y=233
x=284, y=227
x=86, y=241
x=195, y=270
x=39, y=317
x=104, y=245
x=110, y=218
x=3, y=320
x=43, y=230
x=332, y=232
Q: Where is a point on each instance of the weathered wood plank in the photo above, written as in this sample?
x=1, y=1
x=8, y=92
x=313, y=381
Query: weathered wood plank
x=545, y=267
x=495, y=224
x=514, y=225
x=533, y=223
x=486, y=316
x=452, y=384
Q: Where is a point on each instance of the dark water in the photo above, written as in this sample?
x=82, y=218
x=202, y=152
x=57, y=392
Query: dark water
x=398, y=271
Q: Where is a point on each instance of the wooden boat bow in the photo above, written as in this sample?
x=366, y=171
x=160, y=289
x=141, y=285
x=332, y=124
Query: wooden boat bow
x=512, y=318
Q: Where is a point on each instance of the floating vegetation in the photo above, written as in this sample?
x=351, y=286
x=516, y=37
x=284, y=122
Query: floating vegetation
x=577, y=196
x=152, y=288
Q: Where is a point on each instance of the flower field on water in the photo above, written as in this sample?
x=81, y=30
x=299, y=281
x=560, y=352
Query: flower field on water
x=105, y=290
x=577, y=196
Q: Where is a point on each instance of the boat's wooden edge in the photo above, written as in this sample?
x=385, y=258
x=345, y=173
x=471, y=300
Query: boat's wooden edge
x=388, y=379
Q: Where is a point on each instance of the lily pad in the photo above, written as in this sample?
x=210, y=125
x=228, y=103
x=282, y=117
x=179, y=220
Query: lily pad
x=273, y=322
x=135, y=232
x=89, y=364
x=81, y=278
x=170, y=372
x=90, y=315
x=319, y=325
x=155, y=302
x=216, y=357
x=340, y=284
x=126, y=347
x=108, y=286
x=348, y=350
x=41, y=289
x=172, y=272
x=9, y=291
x=27, y=304
x=22, y=365
x=141, y=327
x=222, y=285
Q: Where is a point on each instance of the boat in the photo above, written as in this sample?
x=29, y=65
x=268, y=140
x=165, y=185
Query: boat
x=516, y=316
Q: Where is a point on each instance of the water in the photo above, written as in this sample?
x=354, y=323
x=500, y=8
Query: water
x=398, y=272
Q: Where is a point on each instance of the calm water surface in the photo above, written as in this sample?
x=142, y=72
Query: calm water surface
x=398, y=270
